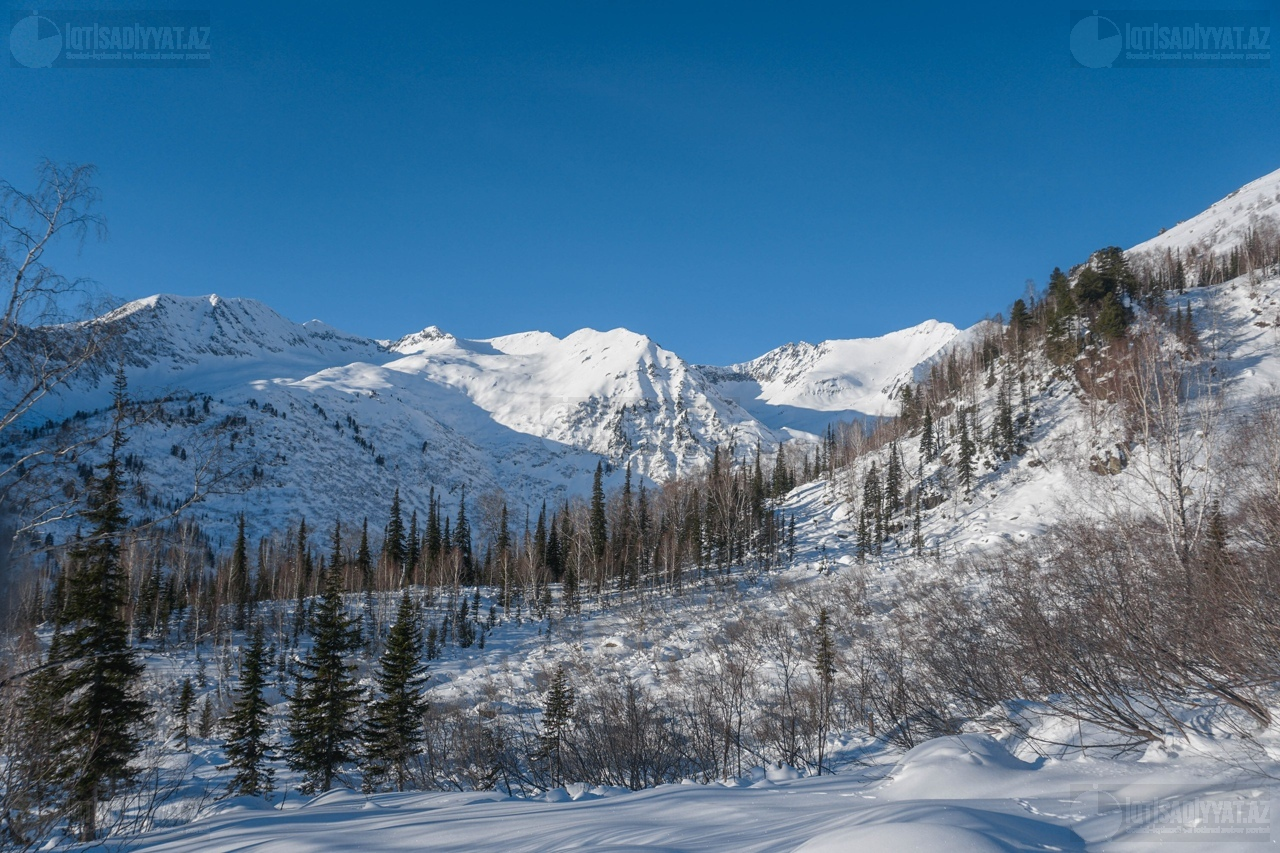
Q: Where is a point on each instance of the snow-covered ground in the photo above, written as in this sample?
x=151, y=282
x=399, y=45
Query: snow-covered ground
x=963, y=794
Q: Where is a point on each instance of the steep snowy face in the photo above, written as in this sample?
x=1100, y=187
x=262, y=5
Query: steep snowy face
x=803, y=386
x=1226, y=223
x=617, y=394
x=190, y=330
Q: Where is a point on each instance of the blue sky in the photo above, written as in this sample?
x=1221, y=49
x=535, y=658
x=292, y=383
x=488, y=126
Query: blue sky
x=724, y=177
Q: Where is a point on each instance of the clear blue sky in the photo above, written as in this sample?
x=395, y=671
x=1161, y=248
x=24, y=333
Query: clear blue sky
x=724, y=177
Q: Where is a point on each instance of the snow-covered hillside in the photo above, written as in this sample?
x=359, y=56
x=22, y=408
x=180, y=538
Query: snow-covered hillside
x=802, y=387
x=1225, y=223
x=310, y=420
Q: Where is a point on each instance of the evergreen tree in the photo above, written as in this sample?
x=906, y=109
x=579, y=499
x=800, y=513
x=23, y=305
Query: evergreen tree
x=964, y=464
x=393, y=548
x=207, y=720
x=557, y=719
x=364, y=559
x=91, y=690
x=182, y=710
x=598, y=525
x=393, y=733
x=927, y=442
x=1111, y=322
x=462, y=538
x=824, y=665
x=239, y=581
x=322, y=711
x=248, y=749
x=893, y=482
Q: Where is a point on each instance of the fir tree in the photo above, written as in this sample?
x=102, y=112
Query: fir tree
x=824, y=665
x=927, y=445
x=393, y=733
x=248, y=749
x=364, y=559
x=598, y=530
x=182, y=710
x=557, y=719
x=393, y=548
x=204, y=728
x=91, y=689
x=322, y=711
x=239, y=581
x=964, y=464
x=893, y=482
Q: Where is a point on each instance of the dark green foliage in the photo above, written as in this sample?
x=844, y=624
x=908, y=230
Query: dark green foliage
x=239, y=580
x=207, y=719
x=598, y=530
x=393, y=546
x=89, y=696
x=248, y=749
x=557, y=720
x=182, y=710
x=965, y=452
x=928, y=442
x=393, y=733
x=323, y=724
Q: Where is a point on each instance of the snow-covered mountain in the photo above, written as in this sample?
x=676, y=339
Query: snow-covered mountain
x=1225, y=223
x=802, y=387
x=313, y=420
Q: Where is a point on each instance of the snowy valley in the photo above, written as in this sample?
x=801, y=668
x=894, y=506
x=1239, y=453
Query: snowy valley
x=789, y=632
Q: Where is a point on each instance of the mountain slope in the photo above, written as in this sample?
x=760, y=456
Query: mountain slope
x=802, y=387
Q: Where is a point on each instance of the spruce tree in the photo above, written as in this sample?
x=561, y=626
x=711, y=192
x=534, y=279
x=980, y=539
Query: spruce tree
x=364, y=559
x=323, y=728
x=598, y=525
x=239, y=581
x=182, y=710
x=893, y=482
x=394, y=731
x=204, y=728
x=248, y=749
x=927, y=443
x=557, y=719
x=91, y=690
x=824, y=665
x=964, y=464
x=393, y=548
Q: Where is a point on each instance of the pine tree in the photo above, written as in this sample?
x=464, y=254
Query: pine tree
x=557, y=719
x=248, y=749
x=91, y=690
x=322, y=711
x=964, y=464
x=239, y=581
x=462, y=538
x=393, y=733
x=824, y=665
x=393, y=548
x=204, y=728
x=182, y=710
x=598, y=530
x=364, y=559
x=893, y=482
x=927, y=444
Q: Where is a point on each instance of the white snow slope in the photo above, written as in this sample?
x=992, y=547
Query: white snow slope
x=314, y=420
